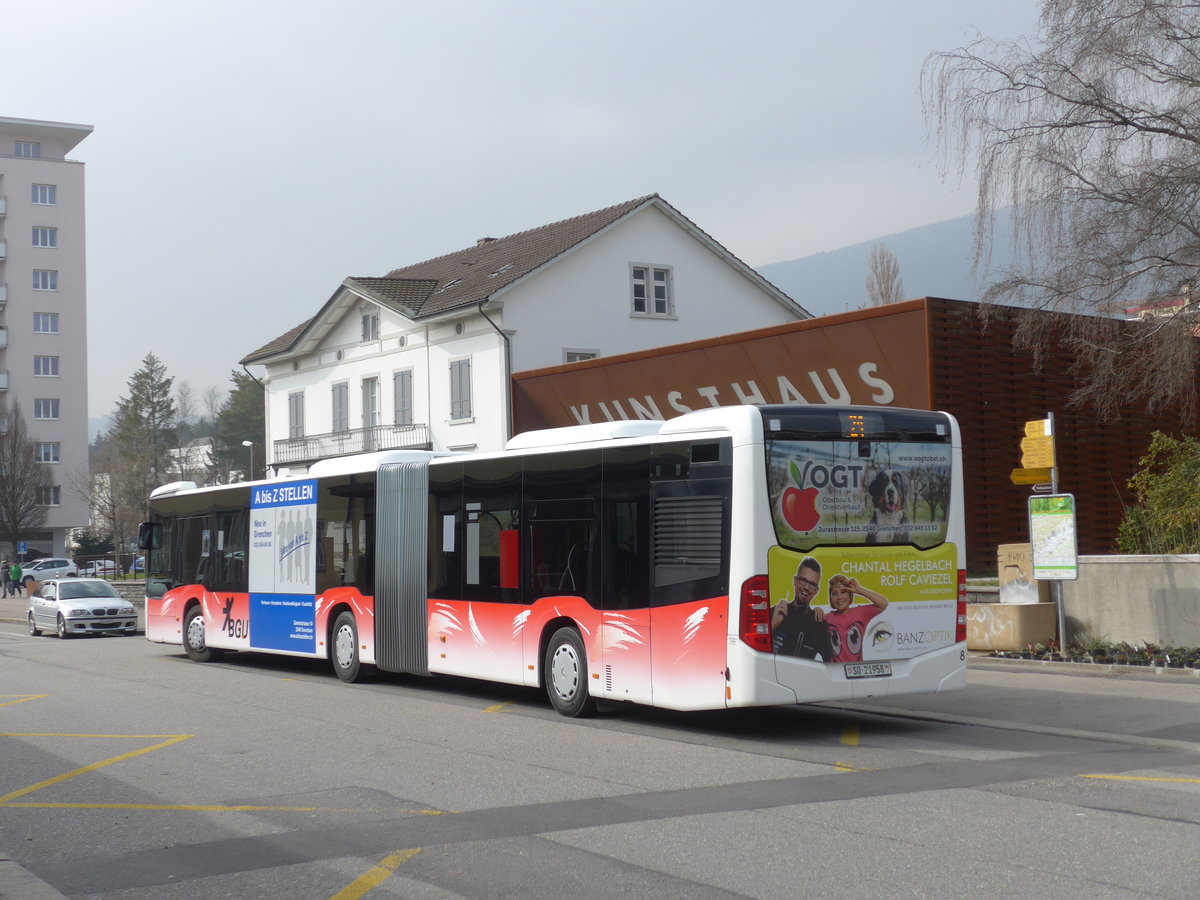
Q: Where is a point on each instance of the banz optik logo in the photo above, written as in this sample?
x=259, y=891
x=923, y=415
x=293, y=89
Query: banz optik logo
x=238, y=628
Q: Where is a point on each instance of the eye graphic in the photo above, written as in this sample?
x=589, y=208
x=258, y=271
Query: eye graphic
x=880, y=635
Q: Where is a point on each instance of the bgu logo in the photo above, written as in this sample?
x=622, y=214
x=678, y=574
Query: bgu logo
x=231, y=626
x=798, y=504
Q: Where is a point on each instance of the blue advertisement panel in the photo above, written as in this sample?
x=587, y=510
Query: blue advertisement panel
x=283, y=622
x=283, y=566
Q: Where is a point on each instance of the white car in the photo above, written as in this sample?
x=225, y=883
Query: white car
x=45, y=569
x=71, y=606
x=99, y=567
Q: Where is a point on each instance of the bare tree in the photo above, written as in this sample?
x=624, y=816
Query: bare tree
x=1092, y=136
x=884, y=284
x=110, y=493
x=24, y=482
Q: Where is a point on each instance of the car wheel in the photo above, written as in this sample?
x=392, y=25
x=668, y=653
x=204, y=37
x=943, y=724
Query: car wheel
x=193, y=637
x=62, y=628
x=33, y=629
x=346, y=661
x=565, y=674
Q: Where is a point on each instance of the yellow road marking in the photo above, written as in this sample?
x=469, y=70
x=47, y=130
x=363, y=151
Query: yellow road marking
x=500, y=707
x=14, y=699
x=58, y=779
x=376, y=876
x=850, y=735
x=1143, y=778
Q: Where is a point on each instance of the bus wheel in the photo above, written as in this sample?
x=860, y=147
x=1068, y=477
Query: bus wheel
x=565, y=674
x=193, y=637
x=346, y=661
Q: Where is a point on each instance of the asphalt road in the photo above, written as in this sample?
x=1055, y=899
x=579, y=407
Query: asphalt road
x=130, y=772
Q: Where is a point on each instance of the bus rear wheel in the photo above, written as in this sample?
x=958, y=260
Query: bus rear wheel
x=565, y=674
x=344, y=643
x=193, y=637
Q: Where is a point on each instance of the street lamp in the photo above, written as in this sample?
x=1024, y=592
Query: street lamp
x=250, y=444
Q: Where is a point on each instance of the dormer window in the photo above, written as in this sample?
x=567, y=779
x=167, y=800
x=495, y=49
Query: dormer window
x=651, y=289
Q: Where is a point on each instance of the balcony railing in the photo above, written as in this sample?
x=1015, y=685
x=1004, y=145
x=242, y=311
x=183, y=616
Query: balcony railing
x=313, y=447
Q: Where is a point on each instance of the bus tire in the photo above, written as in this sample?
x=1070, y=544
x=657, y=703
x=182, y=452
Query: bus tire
x=193, y=637
x=344, y=646
x=566, y=674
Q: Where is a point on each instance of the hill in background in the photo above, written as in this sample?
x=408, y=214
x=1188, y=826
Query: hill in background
x=935, y=261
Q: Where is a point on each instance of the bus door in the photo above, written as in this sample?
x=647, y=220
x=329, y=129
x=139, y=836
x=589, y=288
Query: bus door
x=625, y=640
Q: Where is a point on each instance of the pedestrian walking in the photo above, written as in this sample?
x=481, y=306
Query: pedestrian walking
x=6, y=580
x=14, y=574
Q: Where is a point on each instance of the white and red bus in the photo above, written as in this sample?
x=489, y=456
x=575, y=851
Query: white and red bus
x=738, y=556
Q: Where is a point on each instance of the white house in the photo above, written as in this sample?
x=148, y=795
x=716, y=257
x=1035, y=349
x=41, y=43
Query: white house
x=422, y=357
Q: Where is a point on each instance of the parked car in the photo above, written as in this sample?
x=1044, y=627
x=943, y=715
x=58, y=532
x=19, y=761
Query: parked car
x=45, y=569
x=138, y=565
x=71, y=606
x=99, y=567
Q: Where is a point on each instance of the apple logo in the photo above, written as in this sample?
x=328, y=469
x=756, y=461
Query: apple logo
x=798, y=505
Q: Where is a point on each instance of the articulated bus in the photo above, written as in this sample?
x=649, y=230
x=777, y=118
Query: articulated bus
x=737, y=556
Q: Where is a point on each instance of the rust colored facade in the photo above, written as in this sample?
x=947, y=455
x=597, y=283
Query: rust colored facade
x=928, y=354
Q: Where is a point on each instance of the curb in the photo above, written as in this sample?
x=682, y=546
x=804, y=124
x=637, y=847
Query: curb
x=1086, y=670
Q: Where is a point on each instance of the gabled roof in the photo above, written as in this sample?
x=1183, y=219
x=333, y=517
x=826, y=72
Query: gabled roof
x=469, y=277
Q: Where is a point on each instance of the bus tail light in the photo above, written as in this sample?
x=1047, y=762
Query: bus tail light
x=755, y=619
x=960, y=631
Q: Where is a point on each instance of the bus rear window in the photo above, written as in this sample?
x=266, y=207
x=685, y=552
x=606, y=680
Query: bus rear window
x=838, y=492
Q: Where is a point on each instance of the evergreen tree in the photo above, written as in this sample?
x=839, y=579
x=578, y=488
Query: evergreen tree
x=144, y=428
x=242, y=418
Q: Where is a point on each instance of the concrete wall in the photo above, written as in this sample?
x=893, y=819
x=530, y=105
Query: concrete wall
x=1136, y=599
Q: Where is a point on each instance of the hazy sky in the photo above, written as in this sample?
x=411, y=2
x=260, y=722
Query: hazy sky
x=247, y=156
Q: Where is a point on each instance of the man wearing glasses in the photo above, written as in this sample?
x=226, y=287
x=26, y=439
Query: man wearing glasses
x=796, y=628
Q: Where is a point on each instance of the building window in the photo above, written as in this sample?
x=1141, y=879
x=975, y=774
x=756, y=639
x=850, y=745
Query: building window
x=402, y=385
x=50, y=496
x=460, y=389
x=48, y=452
x=370, y=399
x=45, y=280
x=571, y=356
x=45, y=408
x=29, y=149
x=45, y=194
x=370, y=326
x=45, y=323
x=296, y=415
x=46, y=367
x=652, y=294
x=45, y=237
x=341, y=407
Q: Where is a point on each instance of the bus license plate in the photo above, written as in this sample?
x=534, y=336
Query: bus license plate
x=868, y=670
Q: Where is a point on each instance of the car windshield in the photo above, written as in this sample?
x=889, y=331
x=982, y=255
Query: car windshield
x=75, y=590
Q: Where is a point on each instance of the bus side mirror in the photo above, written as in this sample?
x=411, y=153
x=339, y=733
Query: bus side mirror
x=150, y=536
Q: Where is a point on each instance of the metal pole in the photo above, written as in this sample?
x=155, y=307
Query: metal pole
x=1056, y=591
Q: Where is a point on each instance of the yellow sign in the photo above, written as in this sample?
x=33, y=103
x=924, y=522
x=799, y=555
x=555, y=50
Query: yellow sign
x=1040, y=475
x=1037, y=452
x=1038, y=428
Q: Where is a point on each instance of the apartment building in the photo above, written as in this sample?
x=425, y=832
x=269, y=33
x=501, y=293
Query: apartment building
x=43, y=310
